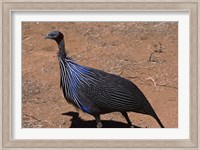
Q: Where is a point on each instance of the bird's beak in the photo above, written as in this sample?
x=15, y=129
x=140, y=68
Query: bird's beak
x=47, y=37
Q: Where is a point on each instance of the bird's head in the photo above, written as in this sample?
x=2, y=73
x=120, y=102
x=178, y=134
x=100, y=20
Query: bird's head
x=55, y=35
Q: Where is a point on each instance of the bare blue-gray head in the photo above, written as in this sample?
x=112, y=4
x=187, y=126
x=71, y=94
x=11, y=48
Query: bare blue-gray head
x=55, y=35
x=59, y=38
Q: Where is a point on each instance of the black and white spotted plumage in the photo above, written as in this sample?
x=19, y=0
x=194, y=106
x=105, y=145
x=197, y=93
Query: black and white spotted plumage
x=97, y=92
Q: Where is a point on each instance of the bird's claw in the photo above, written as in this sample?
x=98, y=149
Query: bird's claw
x=99, y=125
x=132, y=126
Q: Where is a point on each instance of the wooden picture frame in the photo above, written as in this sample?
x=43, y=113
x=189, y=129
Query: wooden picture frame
x=7, y=6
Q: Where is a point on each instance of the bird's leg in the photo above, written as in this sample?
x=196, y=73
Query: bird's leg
x=127, y=119
x=98, y=121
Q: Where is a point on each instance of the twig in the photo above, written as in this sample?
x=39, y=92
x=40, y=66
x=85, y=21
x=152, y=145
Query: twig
x=31, y=116
x=26, y=38
x=135, y=77
x=157, y=85
x=153, y=81
x=159, y=24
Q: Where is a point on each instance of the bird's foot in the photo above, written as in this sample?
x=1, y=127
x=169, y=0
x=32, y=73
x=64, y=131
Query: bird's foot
x=99, y=125
x=132, y=126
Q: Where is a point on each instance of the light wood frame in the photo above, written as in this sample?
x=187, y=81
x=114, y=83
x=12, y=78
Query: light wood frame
x=7, y=6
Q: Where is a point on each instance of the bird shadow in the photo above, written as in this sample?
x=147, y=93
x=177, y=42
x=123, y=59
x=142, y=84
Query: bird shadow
x=77, y=122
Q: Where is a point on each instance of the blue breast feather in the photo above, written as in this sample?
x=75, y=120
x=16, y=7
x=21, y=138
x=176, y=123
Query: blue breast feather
x=78, y=77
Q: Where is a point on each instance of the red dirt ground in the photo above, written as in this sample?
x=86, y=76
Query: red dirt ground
x=143, y=52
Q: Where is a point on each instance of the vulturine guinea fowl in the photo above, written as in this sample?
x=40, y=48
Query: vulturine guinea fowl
x=97, y=92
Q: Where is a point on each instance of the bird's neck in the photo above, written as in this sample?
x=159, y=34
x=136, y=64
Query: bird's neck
x=61, y=46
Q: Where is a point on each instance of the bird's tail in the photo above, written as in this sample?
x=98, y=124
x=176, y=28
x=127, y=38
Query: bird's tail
x=150, y=111
x=158, y=120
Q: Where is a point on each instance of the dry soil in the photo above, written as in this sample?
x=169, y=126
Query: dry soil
x=144, y=52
